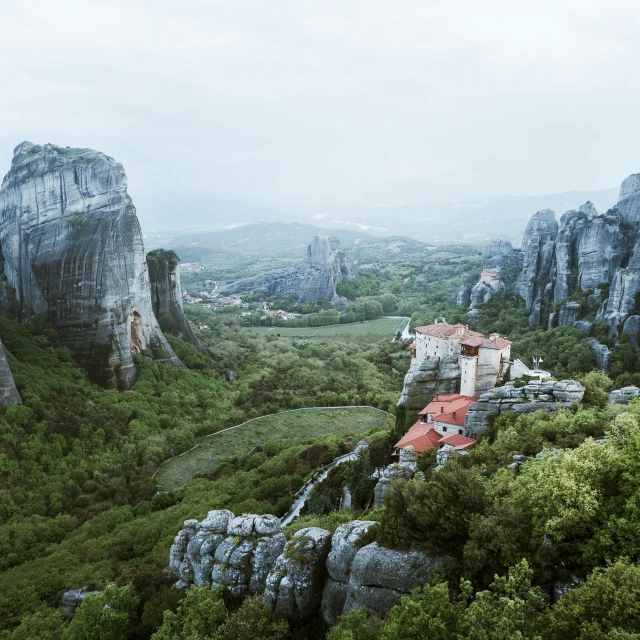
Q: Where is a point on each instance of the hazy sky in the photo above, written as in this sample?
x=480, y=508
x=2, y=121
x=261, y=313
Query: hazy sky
x=349, y=101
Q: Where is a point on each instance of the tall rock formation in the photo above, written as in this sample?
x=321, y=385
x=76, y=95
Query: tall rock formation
x=497, y=248
x=538, y=246
x=586, y=250
x=317, y=277
x=166, y=299
x=73, y=252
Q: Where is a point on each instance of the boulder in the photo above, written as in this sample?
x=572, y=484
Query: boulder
x=600, y=352
x=624, y=395
x=534, y=396
x=217, y=521
x=344, y=547
x=631, y=328
x=568, y=314
x=235, y=552
x=381, y=577
x=294, y=586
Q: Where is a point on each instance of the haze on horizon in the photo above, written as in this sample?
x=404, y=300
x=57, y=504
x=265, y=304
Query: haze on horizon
x=350, y=102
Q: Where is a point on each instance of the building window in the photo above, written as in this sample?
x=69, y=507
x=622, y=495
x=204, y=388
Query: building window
x=444, y=428
x=460, y=432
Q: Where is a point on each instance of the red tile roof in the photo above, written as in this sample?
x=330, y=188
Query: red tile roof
x=446, y=404
x=467, y=337
x=424, y=436
x=458, y=442
x=420, y=437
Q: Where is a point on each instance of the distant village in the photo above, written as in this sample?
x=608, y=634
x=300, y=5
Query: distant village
x=209, y=298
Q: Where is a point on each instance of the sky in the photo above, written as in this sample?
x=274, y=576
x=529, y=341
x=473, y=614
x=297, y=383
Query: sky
x=331, y=102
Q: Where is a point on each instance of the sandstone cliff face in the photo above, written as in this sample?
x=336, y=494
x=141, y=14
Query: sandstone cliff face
x=166, y=299
x=73, y=253
x=317, y=277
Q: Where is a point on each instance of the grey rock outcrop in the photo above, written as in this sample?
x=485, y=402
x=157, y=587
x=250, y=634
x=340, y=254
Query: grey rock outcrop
x=631, y=329
x=538, y=246
x=589, y=249
x=625, y=287
x=464, y=296
x=406, y=467
x=166, y=298
x=8, y=392
x=344, y=547
x=568, y=314
x=526, y=399
x=73, y=252
x=295, y=585
x=629, y=200
x=480, y=294
x=317, y=277
x=624, y=395
x=314, y=569
x=426, y=379
x=72, y=599
x=381, y=577
x=496, y=248
x=600, y=353
x=234, y=552
x=630, y=186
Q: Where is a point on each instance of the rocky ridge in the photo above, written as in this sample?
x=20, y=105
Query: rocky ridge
x=317, y=277
x=73, y=253
x=552, y=395
x=314, y=570
x=587, y=253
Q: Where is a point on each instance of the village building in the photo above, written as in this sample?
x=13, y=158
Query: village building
x=483, y=361
x=191, y=266
x=441, y=424
x=491, y=278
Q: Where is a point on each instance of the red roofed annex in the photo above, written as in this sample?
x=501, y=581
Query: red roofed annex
x=441, y=422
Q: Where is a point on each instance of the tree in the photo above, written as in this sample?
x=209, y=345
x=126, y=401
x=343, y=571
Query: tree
x=433, y=515
x=427, y=614
x=606, y=606
x=109, y=615
x=198, y=616
x=356, y=625
x=252, y=621
x=597, y=386
x=509, y=610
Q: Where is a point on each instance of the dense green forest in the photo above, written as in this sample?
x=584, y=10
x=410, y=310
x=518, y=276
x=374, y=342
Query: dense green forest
x=545, y=551
x=78, y=504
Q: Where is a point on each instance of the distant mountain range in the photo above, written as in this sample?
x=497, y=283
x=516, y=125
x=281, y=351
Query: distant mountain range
x=472, y=220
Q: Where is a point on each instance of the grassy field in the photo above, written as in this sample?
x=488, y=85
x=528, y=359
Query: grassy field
x=294, y=427
x=380, y=328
